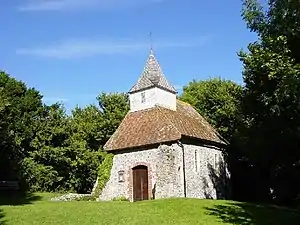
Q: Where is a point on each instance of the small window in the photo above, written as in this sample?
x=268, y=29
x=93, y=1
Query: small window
x=121, y=176
x=216, y=161
x=143, y=96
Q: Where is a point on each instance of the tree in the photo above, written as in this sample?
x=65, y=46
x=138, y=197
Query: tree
x=271, y=99
x=48, y=166
x=114, y=107
x=218, y=100
x=6, y=142
x=279, y=18
x=21, y=107
x=67, y=154
x=68, y=149
x=87, y=126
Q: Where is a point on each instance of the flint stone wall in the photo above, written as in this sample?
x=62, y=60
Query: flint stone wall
x=70, y=197
x=203, y=171
x=165, y=172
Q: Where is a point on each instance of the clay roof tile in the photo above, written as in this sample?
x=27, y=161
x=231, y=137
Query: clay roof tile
x=158, y=125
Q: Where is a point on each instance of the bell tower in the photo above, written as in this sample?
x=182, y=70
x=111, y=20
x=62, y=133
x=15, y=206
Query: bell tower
x=152, y=88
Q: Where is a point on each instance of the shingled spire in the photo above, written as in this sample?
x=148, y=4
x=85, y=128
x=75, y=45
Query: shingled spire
x=152, y=76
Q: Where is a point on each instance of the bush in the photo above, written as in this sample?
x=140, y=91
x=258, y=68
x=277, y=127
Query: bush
x=121, y=199
x=39, y=177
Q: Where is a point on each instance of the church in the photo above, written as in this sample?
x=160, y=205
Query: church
x=164, y=148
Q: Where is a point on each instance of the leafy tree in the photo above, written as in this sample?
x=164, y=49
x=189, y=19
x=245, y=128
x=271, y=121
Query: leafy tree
x=86, y=138
x=278, y=18
x=271, y=99
x=114, y=107
x=20, y=108
x=68, y=149
x=63, y=155
x=42, y=146
x=86, y=126
x=52, y=128
x=50, y=156
x=6, y=142
x=218, y=101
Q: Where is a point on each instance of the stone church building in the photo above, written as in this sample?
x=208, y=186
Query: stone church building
x=163, y=148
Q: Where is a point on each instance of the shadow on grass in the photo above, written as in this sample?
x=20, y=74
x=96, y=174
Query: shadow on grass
x=246, y=214
x=18, y=198
x=2, y=222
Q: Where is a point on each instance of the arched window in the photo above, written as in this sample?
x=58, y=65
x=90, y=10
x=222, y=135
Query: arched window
x=196, y=161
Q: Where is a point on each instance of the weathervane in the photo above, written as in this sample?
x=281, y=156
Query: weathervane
x=151, y=41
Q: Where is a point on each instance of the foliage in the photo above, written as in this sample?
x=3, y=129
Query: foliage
x=87, y=126
x=72, y=162
x=103, y=173
x=86, y=198
x=278, y=18
x=164, y=211
x=271, y=100
x=121, y=199
x=39, y=176
x=114, y=107
x=218, y=101
x=48, y=150
x=21, y=107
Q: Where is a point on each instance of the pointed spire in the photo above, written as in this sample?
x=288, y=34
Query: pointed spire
x=152, y=76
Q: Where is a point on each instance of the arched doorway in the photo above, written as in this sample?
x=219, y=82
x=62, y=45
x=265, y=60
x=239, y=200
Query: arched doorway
x=140, y=183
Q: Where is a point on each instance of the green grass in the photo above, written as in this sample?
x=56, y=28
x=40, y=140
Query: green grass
x=37, y=209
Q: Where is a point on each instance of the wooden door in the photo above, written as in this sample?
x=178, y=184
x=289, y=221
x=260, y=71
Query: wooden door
x=140, y=183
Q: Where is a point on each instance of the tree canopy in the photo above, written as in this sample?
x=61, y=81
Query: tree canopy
x=48, y=150
x=218, y=100
x=271, y=97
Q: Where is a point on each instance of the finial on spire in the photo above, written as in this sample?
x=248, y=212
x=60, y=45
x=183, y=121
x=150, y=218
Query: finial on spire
x=151, y=42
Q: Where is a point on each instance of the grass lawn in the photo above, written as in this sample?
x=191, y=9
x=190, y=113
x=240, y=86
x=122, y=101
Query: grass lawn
x=37, y=209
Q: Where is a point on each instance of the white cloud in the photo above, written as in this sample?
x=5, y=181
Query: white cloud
x=91, y=47
x=71, y=5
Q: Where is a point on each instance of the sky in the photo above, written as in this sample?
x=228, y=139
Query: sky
x=72, y=50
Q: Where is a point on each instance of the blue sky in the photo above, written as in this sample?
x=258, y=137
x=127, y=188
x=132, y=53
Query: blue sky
x=71, y=50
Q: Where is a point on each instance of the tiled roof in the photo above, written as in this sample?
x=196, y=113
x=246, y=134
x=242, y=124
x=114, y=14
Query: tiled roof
x=152, y=76
x=159, y=125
